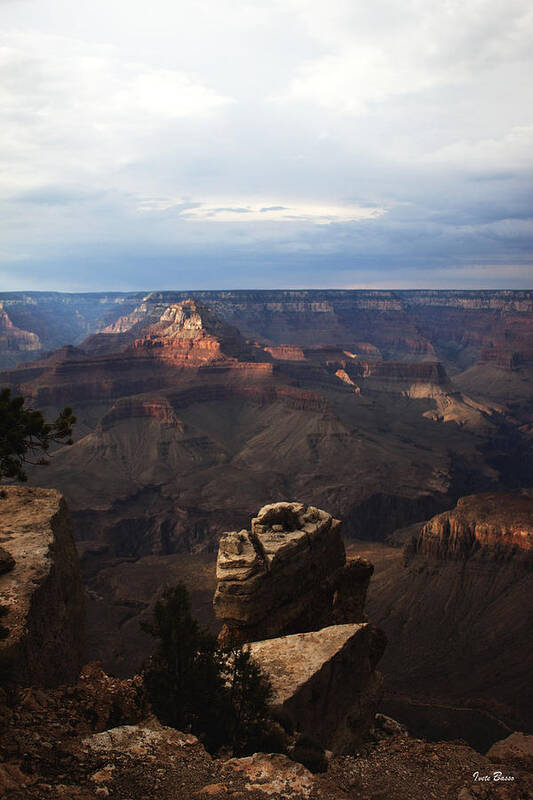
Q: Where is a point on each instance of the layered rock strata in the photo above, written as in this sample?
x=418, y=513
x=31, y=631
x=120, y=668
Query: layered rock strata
x=41, y=591
x=457, y=326
x=189, y=333
x=326, y=682
x=288, y=574
x=497, y=524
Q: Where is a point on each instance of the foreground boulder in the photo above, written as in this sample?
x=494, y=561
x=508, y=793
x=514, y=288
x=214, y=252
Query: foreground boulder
x=325, y=682
x=168, y=763
x=41, y=591
x=286, y=575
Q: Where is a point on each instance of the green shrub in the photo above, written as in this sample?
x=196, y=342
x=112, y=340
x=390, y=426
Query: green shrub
x=25, y=436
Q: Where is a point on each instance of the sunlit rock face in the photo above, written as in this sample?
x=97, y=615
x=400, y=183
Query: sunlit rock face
x=40, y=588
x=326, y=681
x=186, y=341
x=191, y=333
x=287, y=574
x=495, y=525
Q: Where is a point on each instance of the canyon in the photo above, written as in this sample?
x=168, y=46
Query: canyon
x=336, y=380
x=457, y=328
x=385, y=408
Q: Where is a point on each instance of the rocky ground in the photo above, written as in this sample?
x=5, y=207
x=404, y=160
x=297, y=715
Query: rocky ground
x=96, y=740
x=404, y=768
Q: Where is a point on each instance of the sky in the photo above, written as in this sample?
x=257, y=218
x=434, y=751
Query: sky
x=240, y=144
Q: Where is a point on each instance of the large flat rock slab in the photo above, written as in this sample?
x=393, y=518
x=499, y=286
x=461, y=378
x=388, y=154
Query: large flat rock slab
x=326, y=681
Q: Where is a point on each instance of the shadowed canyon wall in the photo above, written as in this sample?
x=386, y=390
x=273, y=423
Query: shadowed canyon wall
x=455, y=611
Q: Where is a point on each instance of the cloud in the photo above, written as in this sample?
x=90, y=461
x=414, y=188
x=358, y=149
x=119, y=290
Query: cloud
x=317, y=214
x=512, y=151
x=74, y=110
x=352, y=82
x=269, y=143
x=386, y=49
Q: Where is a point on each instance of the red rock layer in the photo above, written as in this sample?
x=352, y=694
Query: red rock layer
x=187, y=339
x=189, y=333
x=501, y=524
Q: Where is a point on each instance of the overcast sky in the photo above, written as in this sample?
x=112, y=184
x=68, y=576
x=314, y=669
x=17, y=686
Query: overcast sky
x=237, y=144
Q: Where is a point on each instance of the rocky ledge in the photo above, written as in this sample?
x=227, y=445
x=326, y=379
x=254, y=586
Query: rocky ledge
x=497, y=525
x=288, y=574
x=40, y=588
x=92, y=741
x=96, y=738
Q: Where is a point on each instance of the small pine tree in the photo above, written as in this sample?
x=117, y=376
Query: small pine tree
x=25, y=437
x=250, y=692
x=184, y=677
x=221, y=696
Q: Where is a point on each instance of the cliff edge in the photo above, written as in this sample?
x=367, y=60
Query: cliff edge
x=41, y=589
